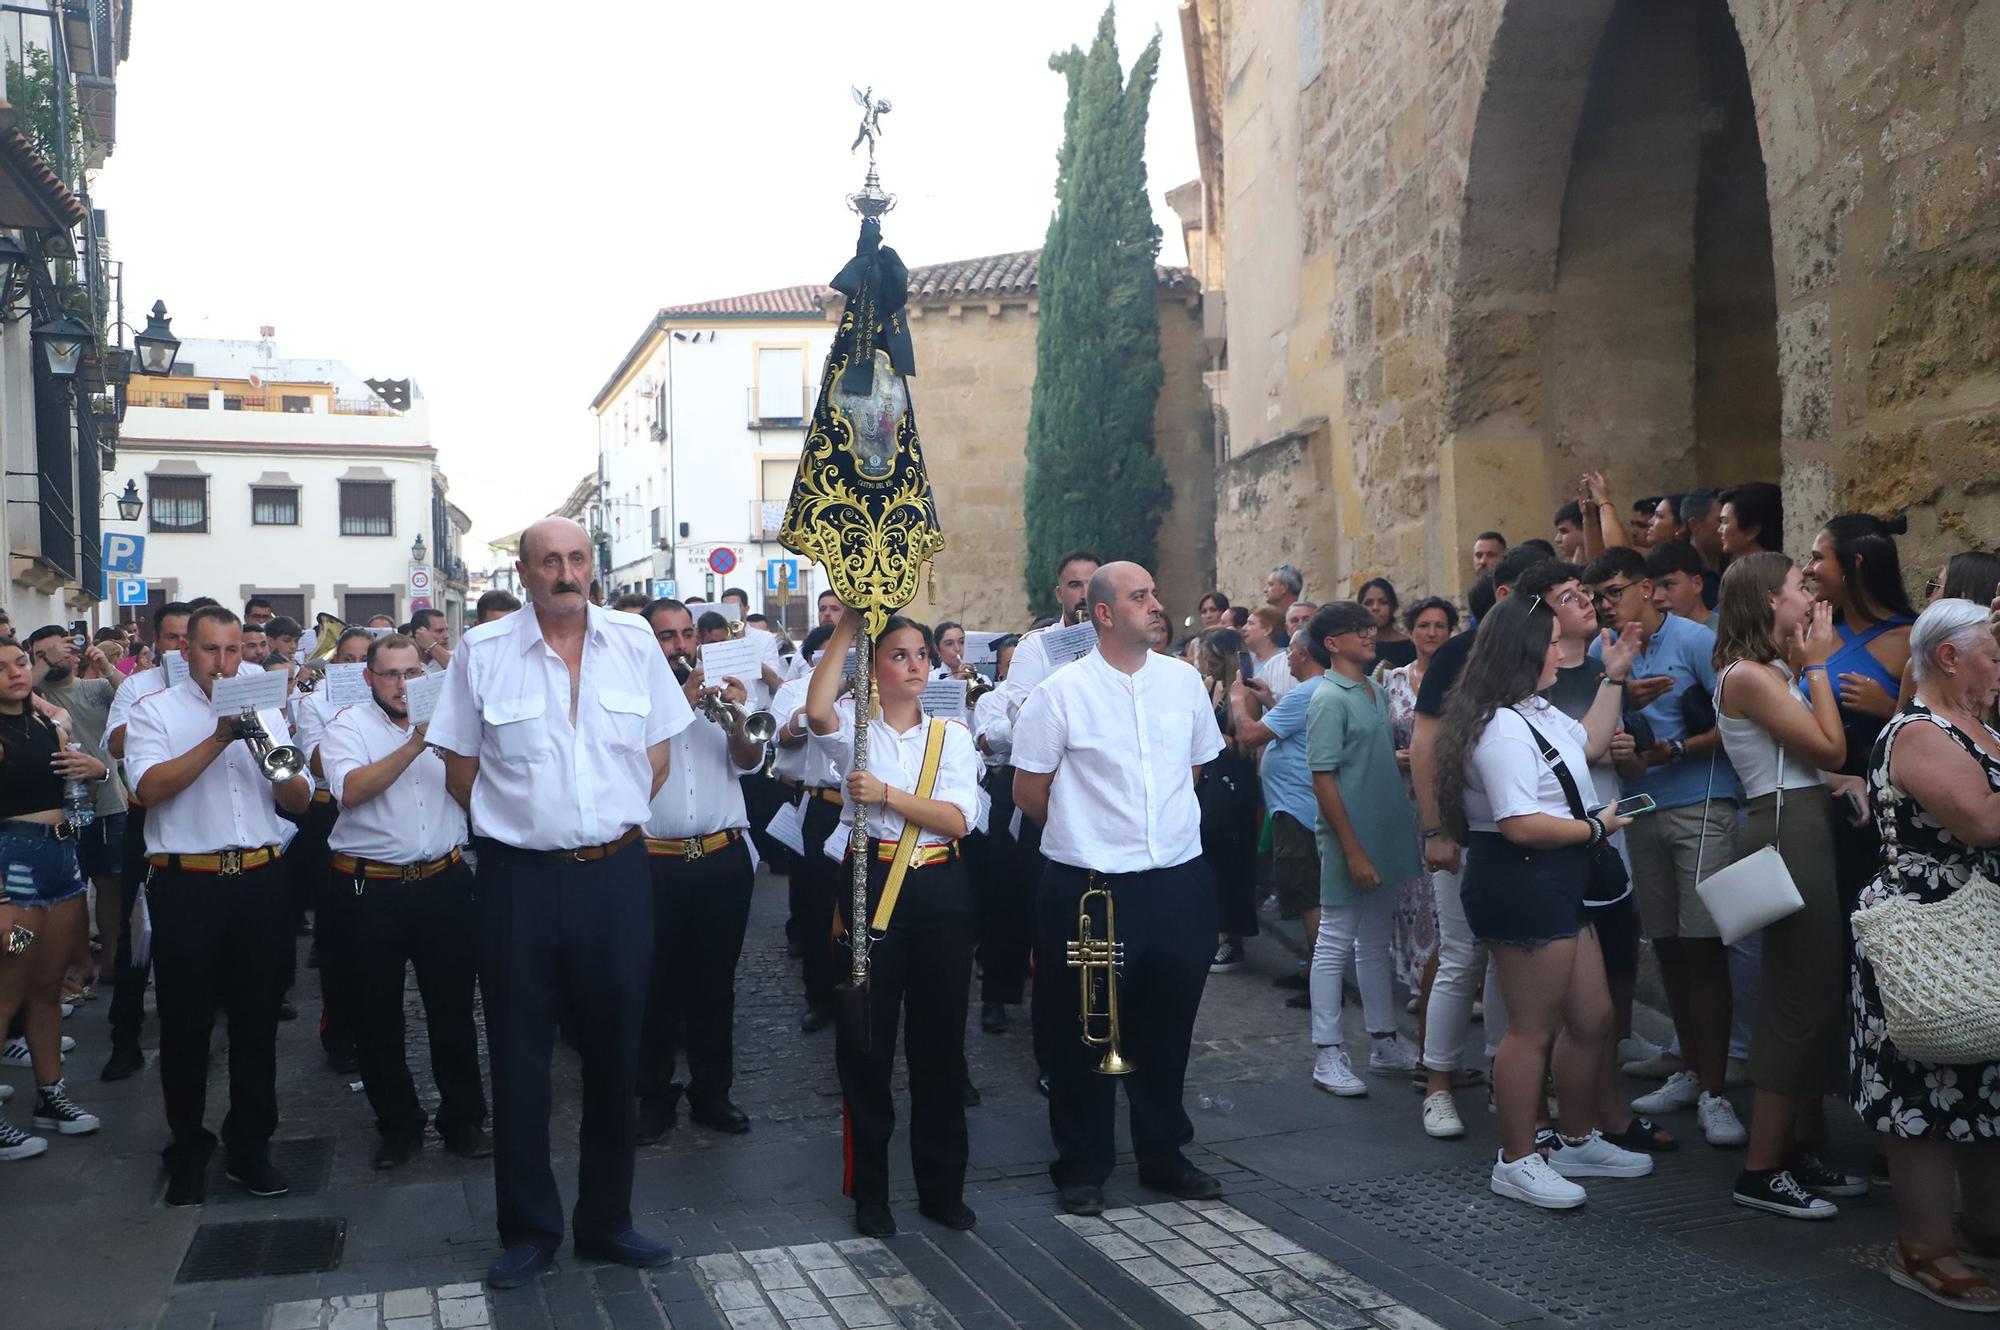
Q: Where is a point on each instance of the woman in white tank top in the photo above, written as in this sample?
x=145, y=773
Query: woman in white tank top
x=1766, y=620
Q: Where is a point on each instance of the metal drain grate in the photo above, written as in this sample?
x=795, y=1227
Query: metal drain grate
x=262, y=1247
x=306, y=1162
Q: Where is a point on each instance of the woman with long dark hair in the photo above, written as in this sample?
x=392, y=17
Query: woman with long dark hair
x=1855, y=569
x=1228, y=790
x=922, y=964
x=1393, y=647
x=1510, y=771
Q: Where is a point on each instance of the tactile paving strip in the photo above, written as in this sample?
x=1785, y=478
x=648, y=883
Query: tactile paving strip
x=262, y=1247
x=1782, y=1309
x=1573, y=1264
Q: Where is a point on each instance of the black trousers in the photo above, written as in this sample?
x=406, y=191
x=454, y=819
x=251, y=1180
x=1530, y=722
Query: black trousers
x=761, y=798
x=1006, y=893
x=819, y=883
x=427, y=925
x=700, y=909
x=128, y=993
x=219, y=942
x=1166, y=921
x=554, y=932
x=920, y=972
x=307, y=857
x=336, y=919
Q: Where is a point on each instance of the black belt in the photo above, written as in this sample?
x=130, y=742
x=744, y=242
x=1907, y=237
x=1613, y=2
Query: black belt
x=57, y=831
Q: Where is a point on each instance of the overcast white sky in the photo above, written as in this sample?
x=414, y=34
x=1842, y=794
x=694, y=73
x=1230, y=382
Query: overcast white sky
x=494, y=198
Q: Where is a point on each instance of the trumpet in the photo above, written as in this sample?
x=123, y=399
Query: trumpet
x=278, y=762
x=757, y=726
x=1093, y=956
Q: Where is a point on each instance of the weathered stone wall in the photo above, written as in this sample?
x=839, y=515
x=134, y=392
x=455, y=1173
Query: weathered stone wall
x=975, y=379
x=1435, y=146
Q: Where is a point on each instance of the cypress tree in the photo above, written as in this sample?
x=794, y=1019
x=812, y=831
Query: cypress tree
x=1093, y=478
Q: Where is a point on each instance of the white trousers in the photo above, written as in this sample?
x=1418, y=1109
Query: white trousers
x=1462, y=967
x=1361, y=933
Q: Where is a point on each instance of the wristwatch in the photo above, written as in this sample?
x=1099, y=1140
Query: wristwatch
x=1677, y=749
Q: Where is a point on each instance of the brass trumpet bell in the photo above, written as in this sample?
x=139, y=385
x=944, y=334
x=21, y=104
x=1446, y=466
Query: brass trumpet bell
x=1098, y=957
x=278, y=762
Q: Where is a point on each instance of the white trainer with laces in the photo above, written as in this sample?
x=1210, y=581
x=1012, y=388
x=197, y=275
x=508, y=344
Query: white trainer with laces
x=1637, y=1048
x=1682, y=1091
x=1391, y=1056
x=1333, y=1074
x=1595, y=1157
x=1441, y=1120
x=1720, y=1126
x=1530, y=1179
x=1657, y=1065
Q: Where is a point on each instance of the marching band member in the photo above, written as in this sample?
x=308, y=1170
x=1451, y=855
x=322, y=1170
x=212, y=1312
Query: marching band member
x=128, y=995
x=555, y=723
x=406, y=899
x=333, y=932
x=921, y=790
x=951, y=652
x=699, y=855
x=1031, y=662
x=221, y=909
x=1104, y=756
x=429, y=630
x=1005, y=887
x=802, y=770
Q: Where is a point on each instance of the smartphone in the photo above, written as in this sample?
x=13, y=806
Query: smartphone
x=1246, y=668
x=79, y=631
x=1857, y=812
x=1634, y=805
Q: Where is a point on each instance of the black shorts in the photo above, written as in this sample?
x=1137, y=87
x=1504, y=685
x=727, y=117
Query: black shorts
x=1294, y=865
x=1617, y=926
x=1522, y=898
x=100, y=847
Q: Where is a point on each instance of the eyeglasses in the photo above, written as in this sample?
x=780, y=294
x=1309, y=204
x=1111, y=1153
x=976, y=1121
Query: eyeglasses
x=405, y=675
x=1932, y=587
x=1604, y=595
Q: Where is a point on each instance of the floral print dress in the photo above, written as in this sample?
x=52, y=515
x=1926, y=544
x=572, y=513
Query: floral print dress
x=1416, y=940
x=1922, y=860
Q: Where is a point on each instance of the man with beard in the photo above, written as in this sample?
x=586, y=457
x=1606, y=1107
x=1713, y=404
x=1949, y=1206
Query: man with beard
x=396, y=847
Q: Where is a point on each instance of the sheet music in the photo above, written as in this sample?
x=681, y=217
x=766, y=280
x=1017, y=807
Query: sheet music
x=249, y=689
x=421, y=696
x=1074, y=642
x=788, y=827
x=739, y=659
x=345, y=684
x=176, y=666
x=945, y=699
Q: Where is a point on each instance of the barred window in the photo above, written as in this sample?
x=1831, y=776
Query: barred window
x=273, y=506
x=177, y=504
x=367, y=508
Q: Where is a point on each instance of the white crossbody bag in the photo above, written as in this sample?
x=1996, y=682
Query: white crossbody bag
x=1757, y=889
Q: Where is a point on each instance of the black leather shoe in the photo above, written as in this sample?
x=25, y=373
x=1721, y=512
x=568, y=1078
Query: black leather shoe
x=815, y=1019
x=631, y=1248
x=968, y=1093
x=952, y=1214
x=1188, y=1184
x=1082, y=1199
x=719, y=1115
x=873, y=1220
x=396, y=1151
x=125, y=1059
x=187, y=1184
x=993, y=1017
x=257, y=1176
x=657, y=1117
x=342, y=1062
x=518, y=1265
x=470, y=1143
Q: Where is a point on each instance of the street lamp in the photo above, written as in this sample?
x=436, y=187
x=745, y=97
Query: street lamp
x=417, y=550
x=62, y=340
x=129, y=503
x=158, y=347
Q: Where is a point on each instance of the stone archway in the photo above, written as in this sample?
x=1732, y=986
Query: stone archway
x=1614, y=302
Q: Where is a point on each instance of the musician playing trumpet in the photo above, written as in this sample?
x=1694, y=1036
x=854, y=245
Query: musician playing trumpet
x=220, y=906
x=921, y=777
x=698, y=850
x=1105, y=754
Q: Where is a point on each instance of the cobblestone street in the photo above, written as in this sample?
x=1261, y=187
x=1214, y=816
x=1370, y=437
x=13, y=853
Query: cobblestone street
x=1340, y=1214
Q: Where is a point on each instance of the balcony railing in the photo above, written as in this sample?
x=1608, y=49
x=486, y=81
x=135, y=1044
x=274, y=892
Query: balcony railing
x=274, y=403
x=771, y=408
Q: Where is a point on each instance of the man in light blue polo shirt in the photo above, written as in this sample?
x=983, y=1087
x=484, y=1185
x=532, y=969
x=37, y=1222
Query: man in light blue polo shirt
x=1280, y=732
x=1666, y=847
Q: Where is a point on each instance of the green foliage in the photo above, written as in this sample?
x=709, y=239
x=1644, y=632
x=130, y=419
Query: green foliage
x=45, y=104
x=1093, y=478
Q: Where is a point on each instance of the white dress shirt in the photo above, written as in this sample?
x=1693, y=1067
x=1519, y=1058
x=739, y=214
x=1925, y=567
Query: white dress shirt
x=995, y=728
x=230, y=806
x=1276, y=671
x=703, y=793
x=138, y=684
x=311, y=716
x=546, y=782
x=898, y=760
x=807, y=764
x=415, y=820
x=1123, y=748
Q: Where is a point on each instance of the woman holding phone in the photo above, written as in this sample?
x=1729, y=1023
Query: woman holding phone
x=1779, y=743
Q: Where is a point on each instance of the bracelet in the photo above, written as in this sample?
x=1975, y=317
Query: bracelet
x=1607, y=679
x=1596, y=828
x=1810, y=668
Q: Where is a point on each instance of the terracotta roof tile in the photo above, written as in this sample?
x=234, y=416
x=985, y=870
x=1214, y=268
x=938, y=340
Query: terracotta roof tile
x=1002, y=275
x=29, y=166
x=785, y=300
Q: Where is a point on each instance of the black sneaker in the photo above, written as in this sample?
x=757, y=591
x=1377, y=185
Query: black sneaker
x=1228, y=958
x=259, y=1177
x=17, y=1144
x=1778, y=1192
x=1814, y=1175
x=55, y=1111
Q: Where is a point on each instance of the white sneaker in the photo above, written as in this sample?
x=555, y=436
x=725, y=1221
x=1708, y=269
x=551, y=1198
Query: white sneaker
x=1682, y=1090
x=1392, y=1056
x=1661, y=1064
x=1441, y=1120
x=1332, y=1073
x=6, y=1093
x=1596, y=1157
x=1530, y=1179
x=14, y=1053
x=1735, y=1074
x=1637, y=1048
x=1719, y=1123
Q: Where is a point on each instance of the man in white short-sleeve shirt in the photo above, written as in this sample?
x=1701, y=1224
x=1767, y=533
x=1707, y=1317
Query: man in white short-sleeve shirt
x=555, y=724
x=1105, y=755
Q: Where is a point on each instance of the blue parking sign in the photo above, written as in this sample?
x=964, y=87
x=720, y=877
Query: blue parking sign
x=131, y=590
x=124, y=553
x=781, y=574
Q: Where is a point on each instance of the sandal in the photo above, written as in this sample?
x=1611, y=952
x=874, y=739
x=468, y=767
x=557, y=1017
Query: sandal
x=1979, y=1250
x=1644, y=1135
x=1919, y=1273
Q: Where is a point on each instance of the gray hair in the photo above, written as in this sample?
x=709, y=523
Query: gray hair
x=1290, y=576
x=1305, y=605
x=1956, y=623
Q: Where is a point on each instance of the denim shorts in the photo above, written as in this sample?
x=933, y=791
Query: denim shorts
x=36, y=869
x=1522, y=898
x=100, y=847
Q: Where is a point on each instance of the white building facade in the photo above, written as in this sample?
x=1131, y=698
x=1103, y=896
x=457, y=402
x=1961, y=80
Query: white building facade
x=291, y=479
x=699, y=433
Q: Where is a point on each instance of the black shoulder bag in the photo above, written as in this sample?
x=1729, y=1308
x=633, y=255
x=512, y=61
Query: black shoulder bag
x=1607, y=879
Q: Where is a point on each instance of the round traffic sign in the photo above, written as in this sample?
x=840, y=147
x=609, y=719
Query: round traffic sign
x=722, y=559
x=419, y=603
x=420, y=580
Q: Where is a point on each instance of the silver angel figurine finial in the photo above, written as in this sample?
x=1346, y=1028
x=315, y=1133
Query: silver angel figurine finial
x=872, y=111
